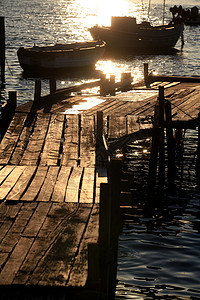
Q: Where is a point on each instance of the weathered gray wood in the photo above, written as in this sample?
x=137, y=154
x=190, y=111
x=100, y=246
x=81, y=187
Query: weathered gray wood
x=73, y=187
x=87, y=187
x=35, y=185
x=79, y=273
x=50, y=153
x=10, y=181
x=61, y=184
x=11, y=137
x=48, y=185
x=34, y=148
x=21, y=184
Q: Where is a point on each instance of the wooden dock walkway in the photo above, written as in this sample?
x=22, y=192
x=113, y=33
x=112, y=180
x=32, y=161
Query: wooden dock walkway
x=50, y=176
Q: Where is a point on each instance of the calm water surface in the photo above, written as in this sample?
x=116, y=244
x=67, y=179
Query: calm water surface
x=160, y=245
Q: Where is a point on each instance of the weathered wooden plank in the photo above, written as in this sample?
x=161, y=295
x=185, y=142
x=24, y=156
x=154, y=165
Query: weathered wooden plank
x=71, y=142
x=73, y=187
x=87, y=142
x=37, y=219
x=79, y=273
x=5, y=171
x=33, y=150
x=61, y=184
x=55, y=222
x=15, y=260
x=23, y=139
x=50, y=153
x=12, y=237
x=10, y=181
x=21, y=184
x=11, y=137
x=8, y=214
x=36, y=184
x=117, y=127
x=55, y=267
x=87, y=187
x=48, y=185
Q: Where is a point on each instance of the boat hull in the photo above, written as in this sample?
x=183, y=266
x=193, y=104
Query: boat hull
x=78, y=55
x=148, y=39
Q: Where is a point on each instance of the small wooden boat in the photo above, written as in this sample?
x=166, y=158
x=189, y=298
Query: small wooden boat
x=125, y=32
x=60, y=56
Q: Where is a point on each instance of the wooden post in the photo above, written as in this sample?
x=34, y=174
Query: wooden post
x=37, y=93
x=2, y=49
x=109, y=220
x=93, y=266
x=146, y=74
x=198, y=151
x=112, y=85
x=103, y=85
x=161, y=100
x=79, y=139
x=12, y=101
x=52, y=86
x=154, y=152
x=170, y=149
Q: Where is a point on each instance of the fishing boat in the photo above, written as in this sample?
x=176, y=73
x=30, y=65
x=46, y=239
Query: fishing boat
x=125, y=32
x=61, y=56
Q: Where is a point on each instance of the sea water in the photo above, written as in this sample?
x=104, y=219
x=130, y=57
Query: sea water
x=160, y=244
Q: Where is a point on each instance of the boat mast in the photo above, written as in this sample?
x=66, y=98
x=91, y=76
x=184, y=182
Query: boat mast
x=149, y=10
x=163, y=11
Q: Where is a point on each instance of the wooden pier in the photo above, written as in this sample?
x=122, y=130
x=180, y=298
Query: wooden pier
x=58, y=227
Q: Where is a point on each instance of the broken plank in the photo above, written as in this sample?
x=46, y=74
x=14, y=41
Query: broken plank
x=10, y=181
x=11, y=137
x=61, y=184
x=73, y=187
x=22, y=183
x=48, y=185
x=36, y=184
x=50, y=153
x=87, y=187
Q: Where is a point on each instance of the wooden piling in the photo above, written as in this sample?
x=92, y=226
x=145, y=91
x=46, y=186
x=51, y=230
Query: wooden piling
x=2, y=49
x=103, y=85
x=198, y=150
x=52, y=86
x=126, y=80
x=109, y=229
x=146, y=74
x=170, y=149
x=161, y=100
